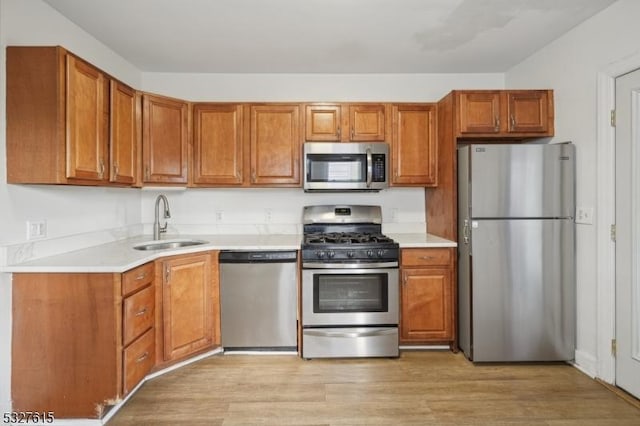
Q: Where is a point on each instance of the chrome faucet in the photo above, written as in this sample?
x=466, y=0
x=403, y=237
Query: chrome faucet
x=157, y=229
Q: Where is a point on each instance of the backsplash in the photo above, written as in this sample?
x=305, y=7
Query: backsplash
x=230, y=211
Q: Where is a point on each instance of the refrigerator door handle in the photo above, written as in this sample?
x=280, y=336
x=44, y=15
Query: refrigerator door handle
x=465, y=232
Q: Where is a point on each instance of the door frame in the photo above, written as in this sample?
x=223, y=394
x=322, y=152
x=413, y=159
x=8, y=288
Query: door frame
x=605, y=368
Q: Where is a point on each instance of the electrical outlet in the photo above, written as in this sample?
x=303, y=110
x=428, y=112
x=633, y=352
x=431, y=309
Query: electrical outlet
x=36, y=229
x=219, y=216
x=268, y=214
x=584, y=215
x=394, y=215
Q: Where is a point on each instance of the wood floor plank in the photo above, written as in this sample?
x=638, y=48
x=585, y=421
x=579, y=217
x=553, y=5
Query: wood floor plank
x=420, y=387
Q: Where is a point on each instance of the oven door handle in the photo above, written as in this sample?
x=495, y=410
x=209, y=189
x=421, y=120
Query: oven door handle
x=350, y=334
x=372, y=265
x=369, y=168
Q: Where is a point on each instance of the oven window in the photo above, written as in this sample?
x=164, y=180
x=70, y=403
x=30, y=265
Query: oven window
x=350, y=293
x=336, y=168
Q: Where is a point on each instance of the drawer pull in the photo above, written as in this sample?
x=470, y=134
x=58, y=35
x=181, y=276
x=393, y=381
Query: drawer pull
x=142, y=357
x=142, y=276
x=141, y=312
x=427, y=257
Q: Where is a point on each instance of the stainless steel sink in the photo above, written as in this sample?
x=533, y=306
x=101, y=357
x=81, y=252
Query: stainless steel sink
x=167, y=244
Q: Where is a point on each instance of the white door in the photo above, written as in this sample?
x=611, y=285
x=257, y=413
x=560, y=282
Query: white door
x=628, y=232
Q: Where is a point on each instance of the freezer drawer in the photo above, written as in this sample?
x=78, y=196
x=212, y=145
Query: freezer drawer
x=522, y=290
x=520, y=181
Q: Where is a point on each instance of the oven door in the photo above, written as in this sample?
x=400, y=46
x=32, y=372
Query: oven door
x=350, y=297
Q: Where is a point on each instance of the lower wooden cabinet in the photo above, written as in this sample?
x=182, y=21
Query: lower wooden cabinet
x=138, y=334
x=138, y=359
x=427, y=294
x=188, y=291
x=79, y=339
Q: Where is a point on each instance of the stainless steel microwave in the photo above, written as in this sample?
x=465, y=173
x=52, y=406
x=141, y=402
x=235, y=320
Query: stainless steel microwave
x=346, y=166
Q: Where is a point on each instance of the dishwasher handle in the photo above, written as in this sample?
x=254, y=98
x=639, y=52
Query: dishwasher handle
x=262, y=256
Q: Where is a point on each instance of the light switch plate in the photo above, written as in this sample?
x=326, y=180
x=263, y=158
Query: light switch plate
x=36, y=229
x=584, y=215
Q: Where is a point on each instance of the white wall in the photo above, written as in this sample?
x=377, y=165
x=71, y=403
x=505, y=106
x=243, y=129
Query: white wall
x=570, y=65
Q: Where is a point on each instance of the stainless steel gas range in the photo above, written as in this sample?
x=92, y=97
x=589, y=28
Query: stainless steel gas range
x=350, y=285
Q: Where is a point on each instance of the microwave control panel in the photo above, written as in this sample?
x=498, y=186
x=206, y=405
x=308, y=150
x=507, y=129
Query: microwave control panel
x=379, y=174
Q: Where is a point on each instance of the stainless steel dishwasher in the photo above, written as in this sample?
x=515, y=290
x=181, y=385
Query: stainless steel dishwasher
x=258, y=298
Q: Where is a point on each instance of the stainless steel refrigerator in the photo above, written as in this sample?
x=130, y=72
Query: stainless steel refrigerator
x=516, y=269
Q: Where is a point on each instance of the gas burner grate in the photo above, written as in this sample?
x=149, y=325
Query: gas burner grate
x=345, y=238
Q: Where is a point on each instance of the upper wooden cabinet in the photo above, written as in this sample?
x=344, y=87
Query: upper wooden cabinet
x=165, y=139
x=87, y=108
x=510, y=113
x=58, y=117
x=218, y=145
x=275, y=138
x=414, y=145
x=327, y=122
x=125, y=128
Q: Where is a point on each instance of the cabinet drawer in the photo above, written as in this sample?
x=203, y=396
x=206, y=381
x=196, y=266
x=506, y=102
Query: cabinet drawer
x=138, y=360
x=137, y=278
x=426, y=257
x=138, y=310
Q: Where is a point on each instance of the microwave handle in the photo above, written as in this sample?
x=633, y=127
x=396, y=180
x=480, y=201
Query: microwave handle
x=369, y=168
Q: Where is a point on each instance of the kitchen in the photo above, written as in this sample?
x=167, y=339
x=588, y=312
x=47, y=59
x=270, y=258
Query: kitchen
x=78, y=216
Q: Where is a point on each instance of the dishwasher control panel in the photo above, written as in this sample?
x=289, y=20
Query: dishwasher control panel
x=239, y=256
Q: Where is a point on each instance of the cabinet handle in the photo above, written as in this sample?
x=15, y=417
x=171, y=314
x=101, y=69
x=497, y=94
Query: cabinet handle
x=167, y=274
x=115, y=169
x=497, y=124
x=101, y=169
x=253, y=176
x=142, y=357
x=512, y=121
x=404, y=278
x=141, y=312
x=338, y=132
x=427, y=257
x=352, y=133
x=142, y=276
x=146, y=172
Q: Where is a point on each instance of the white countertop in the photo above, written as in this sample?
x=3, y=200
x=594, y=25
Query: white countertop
x=120, y=256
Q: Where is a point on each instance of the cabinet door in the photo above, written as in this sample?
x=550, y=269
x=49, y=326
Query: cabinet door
x=367, y=123
x=528, y=111
x=275, y=145
x=218, y=144
x=479, y=112
x=414, y=145
x=87, y=118
x=164, y=140
x=124, y=127
x=427, y=302
x=187, y=305
x=322, y=123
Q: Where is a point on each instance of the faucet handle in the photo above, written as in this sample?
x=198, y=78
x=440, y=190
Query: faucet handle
x=163, y=228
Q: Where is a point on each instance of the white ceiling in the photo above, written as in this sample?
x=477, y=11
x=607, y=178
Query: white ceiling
x=326, y=36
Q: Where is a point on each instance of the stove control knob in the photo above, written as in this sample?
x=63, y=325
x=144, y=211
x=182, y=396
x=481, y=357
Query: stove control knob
x=370, y=253
x=380, y=253
x=320, y=254
x=331, y=254
x=350, y=254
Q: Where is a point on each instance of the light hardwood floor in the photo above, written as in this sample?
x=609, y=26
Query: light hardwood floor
x=419, y=388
